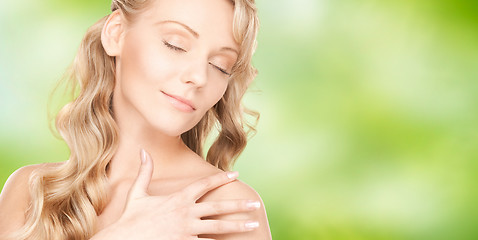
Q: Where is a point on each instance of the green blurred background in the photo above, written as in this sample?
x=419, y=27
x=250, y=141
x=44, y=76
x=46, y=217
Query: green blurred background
x=369, y=111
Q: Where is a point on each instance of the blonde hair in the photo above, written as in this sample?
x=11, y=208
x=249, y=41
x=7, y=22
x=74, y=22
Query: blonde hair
x=66, y=199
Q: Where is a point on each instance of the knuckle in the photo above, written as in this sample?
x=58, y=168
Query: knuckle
x=207, y=182
x=241, y=226
x=218, y=208
x=177, y=196
x=182, y=212
x=180, y=196
x=188, y=227
x=219, y=227
x=241, y=205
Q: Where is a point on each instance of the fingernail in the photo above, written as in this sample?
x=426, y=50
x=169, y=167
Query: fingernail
x=253, y=204
x=252, y=225
x=231, y=175
x=143, y=155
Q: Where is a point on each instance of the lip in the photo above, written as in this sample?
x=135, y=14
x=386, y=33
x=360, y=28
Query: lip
x=179, y=102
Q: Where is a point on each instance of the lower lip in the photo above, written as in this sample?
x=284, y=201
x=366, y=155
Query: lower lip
x=178, y=104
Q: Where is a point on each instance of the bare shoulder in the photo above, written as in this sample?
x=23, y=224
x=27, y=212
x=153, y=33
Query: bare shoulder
x=15, y=197
x=238, y=190
x=17, y=182
x=19, y=179
x=234, y=190
x=231, y=191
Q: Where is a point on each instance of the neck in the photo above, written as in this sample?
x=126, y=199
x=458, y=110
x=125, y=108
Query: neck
x=167, y=152
x=135, y=133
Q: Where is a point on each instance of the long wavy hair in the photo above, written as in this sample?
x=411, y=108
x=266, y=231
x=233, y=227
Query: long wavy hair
x=67, y=198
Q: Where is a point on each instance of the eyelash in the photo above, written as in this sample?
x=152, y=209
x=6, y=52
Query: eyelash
x=169, y=45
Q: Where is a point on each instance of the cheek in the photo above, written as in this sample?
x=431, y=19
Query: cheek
x=215, y=92
x=144, y=63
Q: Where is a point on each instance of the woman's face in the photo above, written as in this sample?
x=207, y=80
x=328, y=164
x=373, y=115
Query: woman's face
x=174, y=64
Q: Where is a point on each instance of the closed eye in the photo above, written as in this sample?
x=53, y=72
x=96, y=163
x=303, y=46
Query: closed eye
x=175, y=48
x=220, y=69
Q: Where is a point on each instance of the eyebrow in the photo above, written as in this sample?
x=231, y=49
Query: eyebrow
x=195, y=34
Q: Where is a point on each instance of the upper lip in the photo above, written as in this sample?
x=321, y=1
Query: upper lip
x=181, y=99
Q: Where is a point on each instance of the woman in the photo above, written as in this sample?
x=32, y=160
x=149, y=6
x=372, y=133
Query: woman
x=154, y=76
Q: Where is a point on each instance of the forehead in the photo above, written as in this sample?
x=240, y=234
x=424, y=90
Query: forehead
x=209, y=18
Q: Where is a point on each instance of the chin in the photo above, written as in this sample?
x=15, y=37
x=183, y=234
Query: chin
x=172, y=129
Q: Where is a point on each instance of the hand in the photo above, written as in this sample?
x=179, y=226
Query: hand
x=176, y=216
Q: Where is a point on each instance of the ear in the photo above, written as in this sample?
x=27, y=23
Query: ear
x=112, y=33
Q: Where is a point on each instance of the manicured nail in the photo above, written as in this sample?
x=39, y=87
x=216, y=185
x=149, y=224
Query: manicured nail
x=253, y=204
x=232, y=174
x=143, y=155
x=252, y=225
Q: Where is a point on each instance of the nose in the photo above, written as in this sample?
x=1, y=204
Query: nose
x=196, y=74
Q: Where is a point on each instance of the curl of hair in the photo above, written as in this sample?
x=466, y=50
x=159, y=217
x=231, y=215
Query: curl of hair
x=67, y=198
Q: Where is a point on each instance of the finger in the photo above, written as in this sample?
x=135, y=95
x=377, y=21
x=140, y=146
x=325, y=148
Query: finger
x=197, y=189
x=223, y=227
x=140, y=185
x=207, y=209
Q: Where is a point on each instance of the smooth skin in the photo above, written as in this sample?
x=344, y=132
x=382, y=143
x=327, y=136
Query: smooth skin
x=181, y=215
x=174, y=216
x=180, y=48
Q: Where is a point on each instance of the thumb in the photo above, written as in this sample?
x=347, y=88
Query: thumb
x=140, y=185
